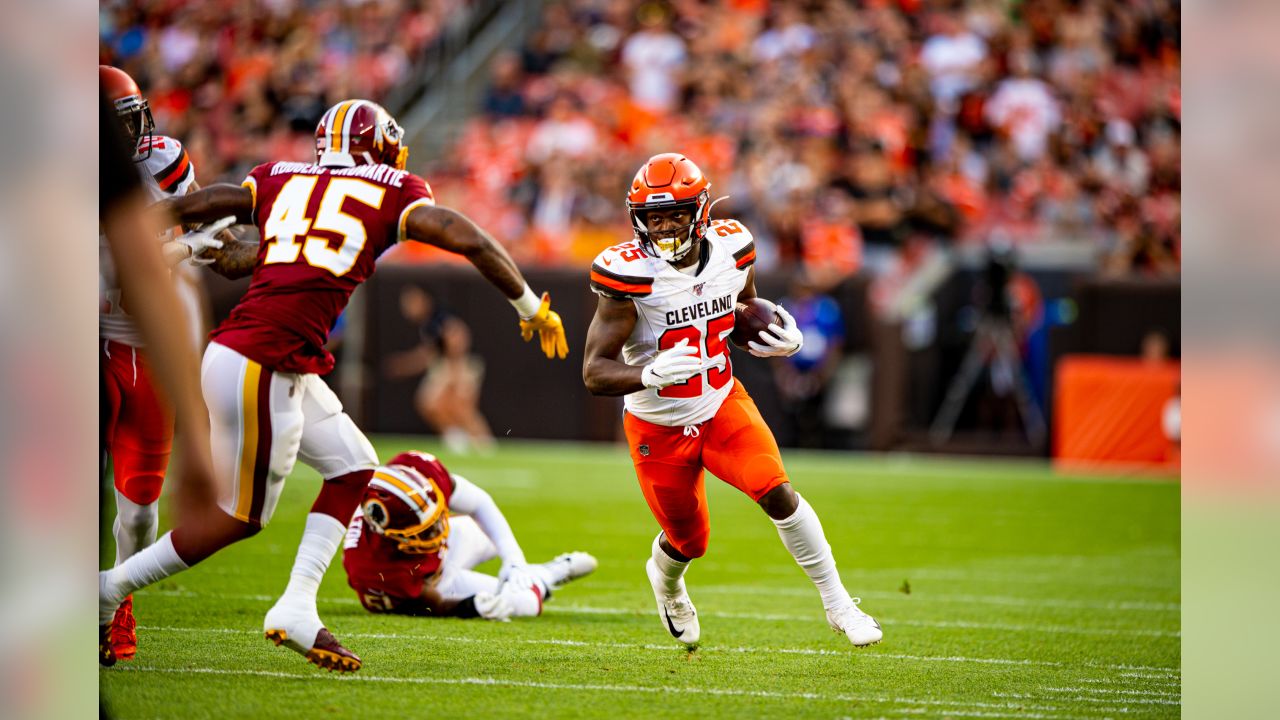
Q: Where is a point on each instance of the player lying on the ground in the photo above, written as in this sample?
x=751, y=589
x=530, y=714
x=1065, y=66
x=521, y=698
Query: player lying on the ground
x=418, y=533
x=685, y=411
x=323, y=226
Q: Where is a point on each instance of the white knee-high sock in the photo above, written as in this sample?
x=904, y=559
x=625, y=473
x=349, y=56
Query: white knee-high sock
x=147, y=567
x=135, y=526
x=802, y=535
x=670, y=570
x=320, y=541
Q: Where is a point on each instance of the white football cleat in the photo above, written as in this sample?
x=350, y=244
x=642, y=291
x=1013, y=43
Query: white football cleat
x=861, y=628
x=300, y=630
x=677, y=613
x=570, y=566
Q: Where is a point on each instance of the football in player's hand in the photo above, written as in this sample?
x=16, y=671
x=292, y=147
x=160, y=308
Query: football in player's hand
x=750, y=317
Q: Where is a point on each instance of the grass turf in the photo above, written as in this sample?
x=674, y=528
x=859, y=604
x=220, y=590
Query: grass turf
x=1004, y=591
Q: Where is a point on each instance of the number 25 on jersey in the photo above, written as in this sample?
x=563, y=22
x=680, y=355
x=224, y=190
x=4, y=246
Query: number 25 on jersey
x=288, y=223
x=718, y=329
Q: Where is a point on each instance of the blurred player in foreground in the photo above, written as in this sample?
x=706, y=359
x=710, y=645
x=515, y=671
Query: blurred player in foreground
x=322, y=225
x=417, y=535
x=684, y=274
x=137, y=425
x=144, y=276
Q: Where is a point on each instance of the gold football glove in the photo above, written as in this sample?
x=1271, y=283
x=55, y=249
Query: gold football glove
x=546, y=323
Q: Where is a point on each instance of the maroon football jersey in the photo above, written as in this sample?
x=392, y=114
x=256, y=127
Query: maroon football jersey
x=322, y=229
x=386, y=579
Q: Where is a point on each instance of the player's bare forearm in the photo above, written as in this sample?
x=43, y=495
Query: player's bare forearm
x=452, y=231
x=236, y=258
x=602, y=372
x=749, y=290
x=211, y=203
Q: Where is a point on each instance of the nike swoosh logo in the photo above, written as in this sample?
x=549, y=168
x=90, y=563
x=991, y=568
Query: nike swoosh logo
x=607, y=261
x=671, y=626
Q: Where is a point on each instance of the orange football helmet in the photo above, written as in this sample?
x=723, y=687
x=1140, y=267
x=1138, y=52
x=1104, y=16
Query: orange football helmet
x=134, y=112
x=404, y=504
x=667, y=181
x=359, y=132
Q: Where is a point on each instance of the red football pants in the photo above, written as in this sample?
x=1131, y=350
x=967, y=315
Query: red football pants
x=139, y=423
x=735, y=445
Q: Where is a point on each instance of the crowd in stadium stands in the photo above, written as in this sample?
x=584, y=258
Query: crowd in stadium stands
x=241, y=82
x=847, y=135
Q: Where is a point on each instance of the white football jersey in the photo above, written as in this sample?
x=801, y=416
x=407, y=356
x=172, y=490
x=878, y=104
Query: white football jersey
x=167, y=171
x=675, y=306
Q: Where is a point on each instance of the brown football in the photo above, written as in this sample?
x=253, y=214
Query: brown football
x=750, y=317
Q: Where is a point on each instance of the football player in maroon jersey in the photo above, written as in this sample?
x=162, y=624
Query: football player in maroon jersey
x=322, y=225
x=419, y=532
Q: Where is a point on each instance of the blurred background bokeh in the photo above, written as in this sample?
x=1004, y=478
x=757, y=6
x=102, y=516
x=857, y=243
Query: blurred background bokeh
x=975, y=206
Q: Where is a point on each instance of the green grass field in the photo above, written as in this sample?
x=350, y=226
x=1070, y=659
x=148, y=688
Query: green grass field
x=1004, y=590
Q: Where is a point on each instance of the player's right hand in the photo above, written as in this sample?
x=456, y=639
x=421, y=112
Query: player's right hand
x=205, y=238
x=671, y=366
x=493, y=607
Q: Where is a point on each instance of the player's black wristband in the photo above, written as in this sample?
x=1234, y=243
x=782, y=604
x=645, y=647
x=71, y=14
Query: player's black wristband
x=466, y=609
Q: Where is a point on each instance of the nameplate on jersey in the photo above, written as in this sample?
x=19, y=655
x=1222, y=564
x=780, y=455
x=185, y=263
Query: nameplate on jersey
x=376, y=173
x=697, y=311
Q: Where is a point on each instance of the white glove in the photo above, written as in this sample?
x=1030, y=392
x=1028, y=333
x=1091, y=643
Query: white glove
x=778, y=341
x=492, y=607
x=510, y=567
x=204, y=239
x=671, y=366
x=519, y=578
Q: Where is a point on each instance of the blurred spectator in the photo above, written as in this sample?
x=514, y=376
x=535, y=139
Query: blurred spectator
x=803, y=378
x=953, y=57
x=653, y=58
x=449, y=397
x=1024, y=110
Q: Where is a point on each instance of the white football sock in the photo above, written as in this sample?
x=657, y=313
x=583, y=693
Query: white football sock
x=135, y=526
x=802, y=535
x=670, y=569
x=149, y=566
x=320, y=541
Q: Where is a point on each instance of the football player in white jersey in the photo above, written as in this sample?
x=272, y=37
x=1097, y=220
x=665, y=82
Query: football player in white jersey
x=137, y=427
x=666, y=306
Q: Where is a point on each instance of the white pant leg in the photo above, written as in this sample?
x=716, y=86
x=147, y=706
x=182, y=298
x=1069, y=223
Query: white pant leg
x=456, y=583
x=256, y=420
x=467, y=544
x=331, y=442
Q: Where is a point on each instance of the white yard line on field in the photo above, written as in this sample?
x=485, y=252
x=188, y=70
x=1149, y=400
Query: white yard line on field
x=595, y=610
x=1172, y=684
x=1084, y=698
x=1109, y=691
x=724, y=692
x=888, y=620
x=672, y=647
x=1005, y=600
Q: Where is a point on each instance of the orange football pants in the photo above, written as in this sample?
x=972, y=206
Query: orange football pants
x=735, y=445
x=139, y=423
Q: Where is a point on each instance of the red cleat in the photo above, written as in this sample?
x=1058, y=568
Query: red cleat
x=124, y=631
x=327, y=652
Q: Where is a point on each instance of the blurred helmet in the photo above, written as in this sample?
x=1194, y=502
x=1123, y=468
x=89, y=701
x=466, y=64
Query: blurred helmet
x=665, y=182
x=134, y=112
x=359, y=132
x=406, y=505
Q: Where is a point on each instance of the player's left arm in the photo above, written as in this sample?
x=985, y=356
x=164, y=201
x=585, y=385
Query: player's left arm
x=450, y=230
